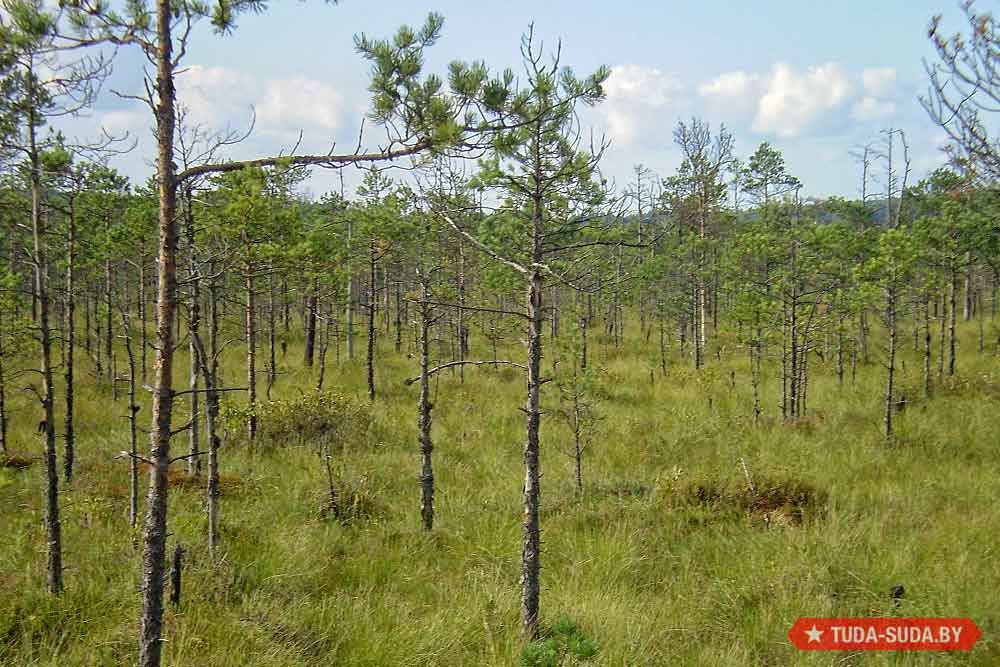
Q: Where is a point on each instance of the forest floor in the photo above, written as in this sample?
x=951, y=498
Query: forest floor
x=665, y=559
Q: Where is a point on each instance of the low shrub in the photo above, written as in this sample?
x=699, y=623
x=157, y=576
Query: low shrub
x=320, y=418
x=563, y=644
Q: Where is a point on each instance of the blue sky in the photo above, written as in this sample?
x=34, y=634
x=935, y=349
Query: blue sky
x=816, y=79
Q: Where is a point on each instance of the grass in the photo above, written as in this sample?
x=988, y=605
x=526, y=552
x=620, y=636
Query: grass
x=665, y=559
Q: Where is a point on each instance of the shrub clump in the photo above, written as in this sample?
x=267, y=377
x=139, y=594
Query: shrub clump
x=563, y=644
x=321, y=418
x=776, y=501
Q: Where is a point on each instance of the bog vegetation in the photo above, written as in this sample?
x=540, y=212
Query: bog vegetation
x=481, y=412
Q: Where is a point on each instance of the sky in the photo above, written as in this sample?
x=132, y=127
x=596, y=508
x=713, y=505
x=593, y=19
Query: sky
x=815, y=79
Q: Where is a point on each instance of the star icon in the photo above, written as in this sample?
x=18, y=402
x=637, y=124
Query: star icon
x=814, y=634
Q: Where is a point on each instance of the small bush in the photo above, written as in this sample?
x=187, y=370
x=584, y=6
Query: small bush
x=783, y=501
x=317, y=417
x=564, y=644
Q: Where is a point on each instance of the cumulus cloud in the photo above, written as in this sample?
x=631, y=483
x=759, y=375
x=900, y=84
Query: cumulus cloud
x=879, y=81
x=218, y=96
x=732, y=92
x=871, y=108
x=792, y=99
x=637, y=95
x=787, y=102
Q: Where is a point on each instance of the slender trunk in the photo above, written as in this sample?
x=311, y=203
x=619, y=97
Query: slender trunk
x=154, y=550
x=210, y=374
x=927, y=347
x=840, y=352
x=351, y=289
x=109, y=348
x=250, y=333
x=531, y=554
x=891, y=320
x=194, y=325
x=69, y=344
x=372, y=311
x=143, y=324
x=272, y=334
x=3, y=398
x=310, y=344
x=755, y=368
x=424, y=414
x=953, y=302
x=398, y=322
x=53, y=527
x=324, y=344
x=577, y=444
x=133, y=411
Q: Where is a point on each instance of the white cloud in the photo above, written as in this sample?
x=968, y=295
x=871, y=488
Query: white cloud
x=216, y=96
x=637, y=96
x=871, y=108
x=131, y=121
x=301, y=102
x=879, y=81
x=792, y=100
x=787, y=102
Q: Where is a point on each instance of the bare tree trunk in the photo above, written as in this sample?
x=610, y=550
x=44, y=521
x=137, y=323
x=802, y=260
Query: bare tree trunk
x=53, y=527
x=194, y=325
x=398, y=322
x=755, y=376
x=927, y=347
x=143, y=324
x=372, y=311
x=577, y=444
x=531, y=554
x=272, y=334
x=250, y=332
x=3, y=399
x=209, y=371
x=840, y=351
x=154, y=552
x=891, y=321
x=109, y=348
x=310, y=344
x=350, y=295
x=424, y=413
x=69, y=344
x=942, y=317
x=133, y=411
x=324, y=344
x=953, y=301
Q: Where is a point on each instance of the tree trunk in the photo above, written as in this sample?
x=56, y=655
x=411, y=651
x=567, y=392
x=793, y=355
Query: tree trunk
x=53, y=527
x=69, y=344
x=953, y=302
x=133, y=411
x=531, y=553
x=424, y=413
x=194, y=325
x=372, y=311
x=310, y=344
x=154, y=552
x=250, y=333
x=891, y=321
x=927, y=347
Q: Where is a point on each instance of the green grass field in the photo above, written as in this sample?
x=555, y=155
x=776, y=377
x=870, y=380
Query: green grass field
x=662, y=561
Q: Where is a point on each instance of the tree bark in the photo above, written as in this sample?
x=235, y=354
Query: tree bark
x=424, y=413
x=531, y=552
x=891, y=321
x=69, y=344
x=53, y=527
x=154, y=552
